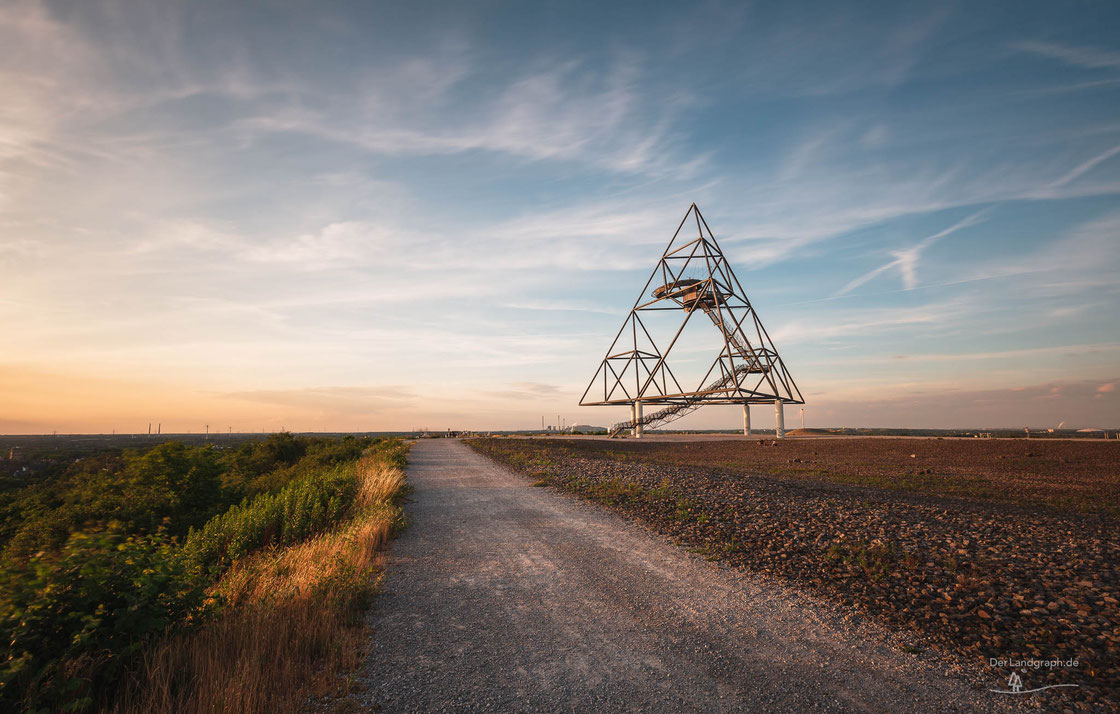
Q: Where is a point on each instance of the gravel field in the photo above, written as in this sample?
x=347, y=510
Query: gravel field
x=505, y=597
x=972, y=577
x=1055, y=474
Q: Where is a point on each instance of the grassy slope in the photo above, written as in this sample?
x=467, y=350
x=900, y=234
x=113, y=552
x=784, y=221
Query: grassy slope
x=291, y=621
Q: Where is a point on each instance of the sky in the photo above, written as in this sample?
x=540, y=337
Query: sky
x=324, y=216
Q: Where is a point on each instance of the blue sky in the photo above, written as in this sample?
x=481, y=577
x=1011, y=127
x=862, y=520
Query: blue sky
x=372, y=216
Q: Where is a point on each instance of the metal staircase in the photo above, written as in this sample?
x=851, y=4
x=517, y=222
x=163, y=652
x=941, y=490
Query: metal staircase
x=693, y=402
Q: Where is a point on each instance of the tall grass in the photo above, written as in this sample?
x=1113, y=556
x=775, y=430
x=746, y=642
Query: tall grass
x=292, y=618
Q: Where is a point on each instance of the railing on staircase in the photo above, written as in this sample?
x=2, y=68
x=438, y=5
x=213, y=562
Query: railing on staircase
x=693, y=402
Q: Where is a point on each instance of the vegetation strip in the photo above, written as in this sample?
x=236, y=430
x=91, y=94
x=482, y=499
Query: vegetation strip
x=184, y=579
x=975, y=579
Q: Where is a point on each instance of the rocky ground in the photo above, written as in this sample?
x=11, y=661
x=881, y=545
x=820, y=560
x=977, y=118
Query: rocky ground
x=979, y=575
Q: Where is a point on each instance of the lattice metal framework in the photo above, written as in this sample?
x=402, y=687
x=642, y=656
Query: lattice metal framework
x=692, y=276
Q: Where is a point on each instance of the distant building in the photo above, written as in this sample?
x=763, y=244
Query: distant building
x=586, y=429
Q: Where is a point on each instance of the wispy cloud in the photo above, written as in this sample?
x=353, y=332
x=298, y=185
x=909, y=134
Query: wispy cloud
x=346, y=399
x=535, y=391
x=807, y=152
x=862, y=324
x=957, y=405
x=1085, y=167
x=1085, y=252
x=1086, y=57
x=1073, y=87
x=567, y=111
x=1095, y=348
x=561, y=305
x=826, y=51
x=906, y=260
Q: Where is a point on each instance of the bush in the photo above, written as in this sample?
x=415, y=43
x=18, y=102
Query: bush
x=268, y=464
x=74, y=618
x=119, y=548
x=171, y=486
x=294, y=513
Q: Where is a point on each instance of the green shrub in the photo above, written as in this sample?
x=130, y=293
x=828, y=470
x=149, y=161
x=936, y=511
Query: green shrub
x=268, y=464
x=115, y=549
x=295, y=512
x=73, y=619
x=170, y=486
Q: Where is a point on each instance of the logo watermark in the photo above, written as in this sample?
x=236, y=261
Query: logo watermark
x=1019, y=667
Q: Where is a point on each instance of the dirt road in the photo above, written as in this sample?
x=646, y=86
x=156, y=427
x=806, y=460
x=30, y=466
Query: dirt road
x=505, y=597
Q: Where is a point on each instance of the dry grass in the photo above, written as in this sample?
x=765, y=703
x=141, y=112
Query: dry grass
x=292, y=623
x=380, y=482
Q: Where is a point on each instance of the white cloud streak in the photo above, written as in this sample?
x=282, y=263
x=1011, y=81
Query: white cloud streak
x=1085, y=57
x=1086, y=166
x=906, y=260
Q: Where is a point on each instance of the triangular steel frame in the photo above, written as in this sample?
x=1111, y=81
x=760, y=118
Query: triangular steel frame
x=748, y=369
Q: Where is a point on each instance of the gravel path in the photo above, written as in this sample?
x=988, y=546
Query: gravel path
x=505, y=597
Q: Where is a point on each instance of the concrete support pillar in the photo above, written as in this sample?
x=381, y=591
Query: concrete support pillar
x=638, y=427
x=633, y=418
x=746, y=420
x=779, y=419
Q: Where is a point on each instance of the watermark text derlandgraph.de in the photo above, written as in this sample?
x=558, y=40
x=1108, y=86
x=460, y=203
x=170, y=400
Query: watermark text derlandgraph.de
x=1016, y=682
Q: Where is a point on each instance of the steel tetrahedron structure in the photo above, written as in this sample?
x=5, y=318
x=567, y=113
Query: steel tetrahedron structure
x=692, y=277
